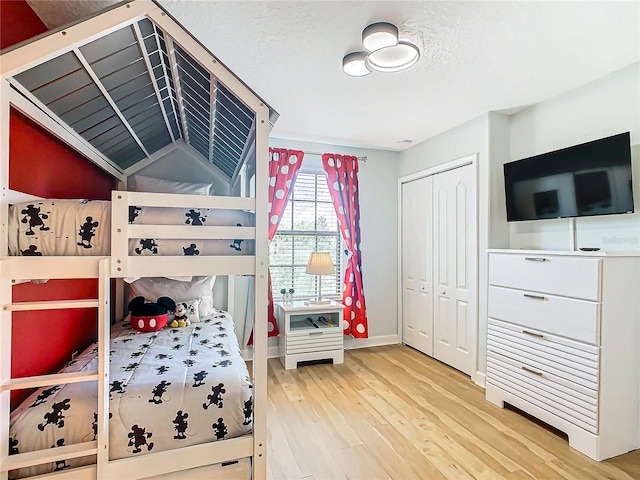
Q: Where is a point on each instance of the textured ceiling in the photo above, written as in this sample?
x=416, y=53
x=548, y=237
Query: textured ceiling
x=477, y=56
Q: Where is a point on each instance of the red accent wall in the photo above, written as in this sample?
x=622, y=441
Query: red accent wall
x=18, y=22
x=40, y=164
x=42, y=342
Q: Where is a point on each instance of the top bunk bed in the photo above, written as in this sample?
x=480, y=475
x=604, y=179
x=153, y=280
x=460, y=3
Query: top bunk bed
x=124, y=89
x=194, y=234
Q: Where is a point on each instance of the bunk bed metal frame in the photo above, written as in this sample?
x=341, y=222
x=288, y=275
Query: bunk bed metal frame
x=120, y=264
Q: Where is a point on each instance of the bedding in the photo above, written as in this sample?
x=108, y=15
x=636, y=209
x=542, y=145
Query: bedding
x=83, y=227
x=60, y=227
x=171, y=388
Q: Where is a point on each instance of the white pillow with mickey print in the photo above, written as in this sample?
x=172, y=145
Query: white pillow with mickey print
x=199, y=288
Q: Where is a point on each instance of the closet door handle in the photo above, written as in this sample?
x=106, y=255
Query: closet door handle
x=535, y=297
x=536, y=259
x=537, y=335
x=527, y=369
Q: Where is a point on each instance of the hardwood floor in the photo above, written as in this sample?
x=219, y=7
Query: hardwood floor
x=393, y=413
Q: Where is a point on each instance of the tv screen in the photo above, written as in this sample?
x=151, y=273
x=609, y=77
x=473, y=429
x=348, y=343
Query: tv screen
x=592, y=178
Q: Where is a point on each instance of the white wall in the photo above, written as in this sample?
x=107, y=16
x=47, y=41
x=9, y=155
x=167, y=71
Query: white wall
x=458, y=142
x=602, y=108
x=499, y=146
x=378, y=225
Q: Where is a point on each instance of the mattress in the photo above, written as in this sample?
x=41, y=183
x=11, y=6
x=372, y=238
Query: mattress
x=83, y=227
x=168, y=389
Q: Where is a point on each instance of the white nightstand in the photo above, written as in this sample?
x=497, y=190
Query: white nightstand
x=311, y=332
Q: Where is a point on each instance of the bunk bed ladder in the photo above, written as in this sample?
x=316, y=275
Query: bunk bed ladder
x=11, y=269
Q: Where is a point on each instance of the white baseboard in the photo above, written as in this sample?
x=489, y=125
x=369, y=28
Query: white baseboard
x=481, y=379
x=272, y=352
x=349, y=344
x=247, y=352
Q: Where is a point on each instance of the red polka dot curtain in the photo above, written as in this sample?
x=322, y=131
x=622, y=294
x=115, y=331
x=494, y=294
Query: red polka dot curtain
x=283, y=168
x=342, y=178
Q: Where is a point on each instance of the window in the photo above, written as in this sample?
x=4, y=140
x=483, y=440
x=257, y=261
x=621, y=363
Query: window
x=309, y=223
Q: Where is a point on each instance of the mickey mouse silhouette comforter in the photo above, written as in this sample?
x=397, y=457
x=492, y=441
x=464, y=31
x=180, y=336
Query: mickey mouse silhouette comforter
x=83, y=227
x=168, y=389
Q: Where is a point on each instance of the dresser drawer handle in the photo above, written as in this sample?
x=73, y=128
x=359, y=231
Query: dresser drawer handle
x=527, y=369
x=535, y=297
x=536, y=259
x=537, y=335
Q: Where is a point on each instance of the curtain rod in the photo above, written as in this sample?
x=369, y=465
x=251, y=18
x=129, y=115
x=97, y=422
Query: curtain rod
x=362, y=159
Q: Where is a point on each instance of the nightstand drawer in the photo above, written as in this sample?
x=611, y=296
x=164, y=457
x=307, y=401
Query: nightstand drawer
x=315, y=341
x=567, y=317
x=311, y=333
x=571, y=277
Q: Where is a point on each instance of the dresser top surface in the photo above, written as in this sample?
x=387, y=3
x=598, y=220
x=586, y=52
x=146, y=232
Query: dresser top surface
x=571, y=253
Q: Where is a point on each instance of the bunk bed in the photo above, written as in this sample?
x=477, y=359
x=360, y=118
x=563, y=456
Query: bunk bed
x=83, y=83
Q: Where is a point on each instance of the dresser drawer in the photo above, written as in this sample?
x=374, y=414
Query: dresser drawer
x=567, y=317
x=574, y=362
x=564, y=276
x=570, y=402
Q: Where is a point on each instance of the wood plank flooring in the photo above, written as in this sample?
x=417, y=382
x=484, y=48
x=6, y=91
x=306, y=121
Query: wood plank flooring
x=393, y=413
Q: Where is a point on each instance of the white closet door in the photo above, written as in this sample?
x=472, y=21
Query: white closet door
x=417, y=287
x=454, y=263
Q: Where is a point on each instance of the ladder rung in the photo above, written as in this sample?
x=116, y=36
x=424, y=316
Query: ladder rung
x=28, y=459
x=54, y=379
x=86, y=472
x=51, y=305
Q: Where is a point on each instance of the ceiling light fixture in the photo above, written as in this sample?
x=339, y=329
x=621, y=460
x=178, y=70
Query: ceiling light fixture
x=379, y=35
x=383, y=52
x=395, y=58
x=355, y=64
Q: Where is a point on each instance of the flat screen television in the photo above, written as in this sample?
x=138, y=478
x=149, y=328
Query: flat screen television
x=592, y=178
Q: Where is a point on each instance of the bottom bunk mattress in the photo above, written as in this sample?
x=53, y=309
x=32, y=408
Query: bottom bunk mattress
x=168, y=389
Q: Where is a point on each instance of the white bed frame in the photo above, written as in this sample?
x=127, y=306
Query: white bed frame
x=120, y=265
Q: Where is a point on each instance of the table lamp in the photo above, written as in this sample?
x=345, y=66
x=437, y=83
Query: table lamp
x=320, y=263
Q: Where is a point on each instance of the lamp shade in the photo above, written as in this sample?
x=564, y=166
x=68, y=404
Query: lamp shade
x=320, y=263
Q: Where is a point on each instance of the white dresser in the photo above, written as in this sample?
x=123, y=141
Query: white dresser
x=563, y=341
